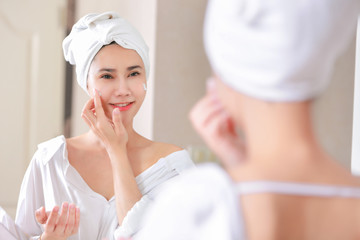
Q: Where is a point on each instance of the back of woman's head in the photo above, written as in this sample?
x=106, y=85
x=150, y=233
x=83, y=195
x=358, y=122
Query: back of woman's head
x=278, y=50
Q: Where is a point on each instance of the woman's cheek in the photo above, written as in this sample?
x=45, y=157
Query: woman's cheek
x=104, y=91
x=140, y=86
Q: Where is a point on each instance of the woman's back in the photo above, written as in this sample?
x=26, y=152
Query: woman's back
x=277, y=216
x=311, y=206
x=208, y=204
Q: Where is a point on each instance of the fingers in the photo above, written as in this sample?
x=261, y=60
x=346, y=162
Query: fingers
x=51, y=222
x=94, y=115
x=116, y=119
x=220, y=125
x=98, y=105
x=90, y=105
x=64, y=224
x=40, y=215
x=60, y=226
x=77, y=220
x=87, y=113
x=204, y=111
x=70, y=220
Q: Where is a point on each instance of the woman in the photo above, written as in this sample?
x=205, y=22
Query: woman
x=111, y=172
x=270, y=60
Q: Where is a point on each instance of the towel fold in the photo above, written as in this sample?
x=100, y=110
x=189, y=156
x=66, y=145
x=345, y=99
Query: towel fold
x=92, y=32
x=278, y=50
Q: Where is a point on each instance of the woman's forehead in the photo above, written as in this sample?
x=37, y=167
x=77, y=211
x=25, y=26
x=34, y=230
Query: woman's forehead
x=115, y=56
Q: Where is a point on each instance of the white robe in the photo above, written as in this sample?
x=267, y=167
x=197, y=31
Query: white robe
x=51, y=180
x=205, y=204
x=201, y=204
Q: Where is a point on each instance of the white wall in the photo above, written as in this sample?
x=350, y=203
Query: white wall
x=32, y=79
x=181, y=70
x=333, y=110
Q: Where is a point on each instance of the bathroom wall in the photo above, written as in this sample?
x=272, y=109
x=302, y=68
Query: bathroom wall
x=181, y=69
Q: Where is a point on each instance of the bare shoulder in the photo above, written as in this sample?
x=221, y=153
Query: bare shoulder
x=80, y=145
x=164, y=149
x=75, y=142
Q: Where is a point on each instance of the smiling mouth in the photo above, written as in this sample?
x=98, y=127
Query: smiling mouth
x=122, y=106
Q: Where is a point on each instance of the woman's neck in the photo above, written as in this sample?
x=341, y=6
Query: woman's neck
x=280, y=143
x=279, y=131
x=133, y=137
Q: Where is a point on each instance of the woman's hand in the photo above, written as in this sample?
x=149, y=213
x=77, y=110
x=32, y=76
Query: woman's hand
x=59, y=227
x=217, y=128
x=114, y=137
x=111, y=132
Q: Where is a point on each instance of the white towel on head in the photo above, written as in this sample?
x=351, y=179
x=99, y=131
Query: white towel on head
x=278, y=50
x=92, y=32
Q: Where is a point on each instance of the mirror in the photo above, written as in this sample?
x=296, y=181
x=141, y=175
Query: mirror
x=33, y=81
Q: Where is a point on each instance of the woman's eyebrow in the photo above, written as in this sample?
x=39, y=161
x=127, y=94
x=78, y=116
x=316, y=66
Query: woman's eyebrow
x=133, y=67
x=107, y=70
x=113, y=70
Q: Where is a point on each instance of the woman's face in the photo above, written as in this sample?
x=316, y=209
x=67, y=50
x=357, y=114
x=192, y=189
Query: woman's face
x=119, y=76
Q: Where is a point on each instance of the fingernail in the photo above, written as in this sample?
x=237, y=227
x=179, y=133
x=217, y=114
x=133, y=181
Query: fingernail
x=56, y=208
x=96, y=91
x=116, y=111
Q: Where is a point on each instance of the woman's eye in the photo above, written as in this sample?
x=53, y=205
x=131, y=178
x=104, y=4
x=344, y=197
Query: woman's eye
x=133, y=74
x=106, y=76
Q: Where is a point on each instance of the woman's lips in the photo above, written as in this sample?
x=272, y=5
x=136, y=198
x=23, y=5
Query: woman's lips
x=122, y=106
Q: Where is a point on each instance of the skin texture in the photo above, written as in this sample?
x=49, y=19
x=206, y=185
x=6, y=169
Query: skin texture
x=278, y=143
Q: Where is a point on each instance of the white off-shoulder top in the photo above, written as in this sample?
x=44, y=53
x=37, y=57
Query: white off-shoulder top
x=204, y=204
x=51, y=180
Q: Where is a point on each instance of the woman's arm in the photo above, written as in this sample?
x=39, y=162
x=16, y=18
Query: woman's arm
x=127, y=192
x=114, y=136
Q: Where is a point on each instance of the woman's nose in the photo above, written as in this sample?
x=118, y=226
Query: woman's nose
x=122, y=88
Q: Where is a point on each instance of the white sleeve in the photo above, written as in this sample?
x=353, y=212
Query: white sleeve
x=133, y=222
x=133, y=219
x=30, y=199
x=199, y=205
x=8, y=228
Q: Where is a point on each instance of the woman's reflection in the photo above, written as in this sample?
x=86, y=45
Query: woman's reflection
x=111, y=172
